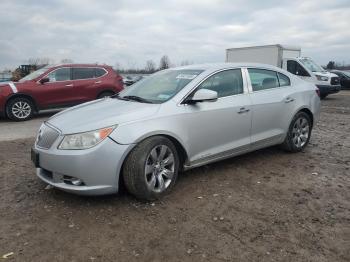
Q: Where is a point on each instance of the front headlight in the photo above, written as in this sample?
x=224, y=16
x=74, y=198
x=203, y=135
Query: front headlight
x=321, y=78
x=85, y=140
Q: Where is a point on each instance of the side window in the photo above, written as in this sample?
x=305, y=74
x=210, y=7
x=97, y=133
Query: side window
x=99, y=72
x=61, y=74
x=83, y=73
x=225, y=83
x=292, y=67
x=295, y=68
x=283, y=80
x=262, y=79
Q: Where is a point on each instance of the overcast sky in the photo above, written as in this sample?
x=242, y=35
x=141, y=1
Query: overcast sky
x=131, y=32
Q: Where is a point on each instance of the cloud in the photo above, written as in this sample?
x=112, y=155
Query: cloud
x=131, y=32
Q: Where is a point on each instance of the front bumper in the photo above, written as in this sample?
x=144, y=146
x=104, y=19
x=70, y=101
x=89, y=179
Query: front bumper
x=328, y=89
x=98, y=167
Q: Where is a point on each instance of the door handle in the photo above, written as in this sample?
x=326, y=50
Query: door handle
x=289, y=99
x=243, y=110
x=98, y=82
x=69, y=85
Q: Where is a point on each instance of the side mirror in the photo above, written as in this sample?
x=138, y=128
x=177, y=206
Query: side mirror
x=203, y=95
x=44, y=80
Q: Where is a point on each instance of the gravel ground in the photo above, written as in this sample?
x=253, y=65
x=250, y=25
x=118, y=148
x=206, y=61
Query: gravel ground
x=263, y=206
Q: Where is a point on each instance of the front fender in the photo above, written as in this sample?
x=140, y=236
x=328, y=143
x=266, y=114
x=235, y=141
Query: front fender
x=133, y=133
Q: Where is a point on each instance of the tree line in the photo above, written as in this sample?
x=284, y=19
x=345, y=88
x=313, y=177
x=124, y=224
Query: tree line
x=336, y=65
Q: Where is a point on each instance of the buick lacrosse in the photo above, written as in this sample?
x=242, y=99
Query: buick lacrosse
x=172, y=121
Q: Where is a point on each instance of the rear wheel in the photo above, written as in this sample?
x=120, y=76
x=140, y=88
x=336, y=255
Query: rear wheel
x=299, y=133
x=105, y=94
x=151, y=169
x=20, y=109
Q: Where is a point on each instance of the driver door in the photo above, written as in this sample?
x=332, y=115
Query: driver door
x=221, y=128
x=59, y=91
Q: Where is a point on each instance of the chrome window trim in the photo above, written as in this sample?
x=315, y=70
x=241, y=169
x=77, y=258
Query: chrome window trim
x=72, y=74
x=245, y=90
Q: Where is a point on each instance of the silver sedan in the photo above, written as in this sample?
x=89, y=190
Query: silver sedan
x=172, y=121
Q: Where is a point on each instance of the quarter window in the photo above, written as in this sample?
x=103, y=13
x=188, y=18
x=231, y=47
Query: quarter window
x=225, y=83
x=99, y=72
x=61, y=74
x=262, y=79
x=83, y=73
x=283, y=80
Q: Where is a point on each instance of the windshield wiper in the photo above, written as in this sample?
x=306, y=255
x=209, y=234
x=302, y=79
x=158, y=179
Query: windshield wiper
x=119, y=97
x=136, y=98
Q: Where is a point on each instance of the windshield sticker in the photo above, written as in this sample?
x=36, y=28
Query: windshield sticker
x=185, y=76
x=163, y=96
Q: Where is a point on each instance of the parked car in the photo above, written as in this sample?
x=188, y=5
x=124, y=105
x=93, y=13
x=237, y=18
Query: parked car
x=344, y=78
x=174, y=120
x=130, y=80
x=57, y=86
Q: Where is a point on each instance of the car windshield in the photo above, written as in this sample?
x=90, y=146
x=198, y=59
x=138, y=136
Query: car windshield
x=346, y=73
x=34, y=74
x=311, y=65
x=160, y=87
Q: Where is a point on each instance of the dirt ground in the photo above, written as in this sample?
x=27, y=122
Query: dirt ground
x=263, y=206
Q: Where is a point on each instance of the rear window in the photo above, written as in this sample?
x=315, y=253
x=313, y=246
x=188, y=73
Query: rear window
x=262, y=79
x=83, y=73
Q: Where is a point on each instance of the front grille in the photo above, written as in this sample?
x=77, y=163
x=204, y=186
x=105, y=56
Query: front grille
x=46, y=137
x=335, y=81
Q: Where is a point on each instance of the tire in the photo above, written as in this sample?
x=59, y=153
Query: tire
x=299, y=133
x=20, y=109
x=323, y=96
x=105, y=94
x=151, y=169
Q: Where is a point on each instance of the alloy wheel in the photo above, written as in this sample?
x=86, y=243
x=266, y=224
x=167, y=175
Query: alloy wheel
x=300, y=132
x=21, y=109
x=159, y=168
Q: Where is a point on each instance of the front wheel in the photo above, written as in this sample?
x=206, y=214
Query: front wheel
x=151, y=169
x=299, y=133
x=20, y=109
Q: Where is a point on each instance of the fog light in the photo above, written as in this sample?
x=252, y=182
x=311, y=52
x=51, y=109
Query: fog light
x=73, y=181
x=77, y=182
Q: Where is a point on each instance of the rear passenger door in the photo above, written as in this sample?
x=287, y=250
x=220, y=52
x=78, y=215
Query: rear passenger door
x=272, y=106
x=84, y=83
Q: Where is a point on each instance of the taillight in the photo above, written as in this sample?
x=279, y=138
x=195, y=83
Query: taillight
x=318, y=92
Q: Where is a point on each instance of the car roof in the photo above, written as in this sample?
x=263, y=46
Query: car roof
x=77, y=65
x=218, y=66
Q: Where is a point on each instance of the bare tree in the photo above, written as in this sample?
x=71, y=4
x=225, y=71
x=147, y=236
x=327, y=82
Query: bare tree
x=186, y=62
x=150, y=66
x=67, y=61
x=37, y=62
x=164, y=62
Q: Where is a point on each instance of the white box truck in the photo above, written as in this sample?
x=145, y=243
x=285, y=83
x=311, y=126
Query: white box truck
x=288, y=58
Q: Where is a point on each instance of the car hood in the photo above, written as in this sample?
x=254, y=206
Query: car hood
x=328, y=74
x=15, y=86
x=101, y=113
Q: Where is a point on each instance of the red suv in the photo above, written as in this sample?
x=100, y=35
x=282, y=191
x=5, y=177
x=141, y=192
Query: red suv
x=57, y=86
